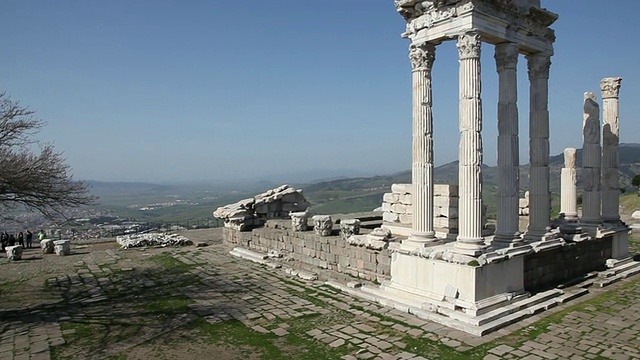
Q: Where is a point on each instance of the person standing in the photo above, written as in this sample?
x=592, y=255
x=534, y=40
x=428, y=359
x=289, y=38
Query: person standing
x=21, y=239
x=29, y=238
x=41, y=235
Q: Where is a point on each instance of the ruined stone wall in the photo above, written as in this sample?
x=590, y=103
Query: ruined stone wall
x=330, y=252
x=398, y=208
x=550, y=268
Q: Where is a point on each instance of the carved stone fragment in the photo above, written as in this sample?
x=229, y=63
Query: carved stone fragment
x=349, y=227
x=322, y=225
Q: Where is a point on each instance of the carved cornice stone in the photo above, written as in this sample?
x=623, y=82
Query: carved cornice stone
x=469, y=46
x=610, y=87
x=539, y=65
x=506, y=56
x=422, y=56
x=426, y=14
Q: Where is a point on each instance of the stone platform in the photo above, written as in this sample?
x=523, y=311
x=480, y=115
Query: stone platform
x=474, y=295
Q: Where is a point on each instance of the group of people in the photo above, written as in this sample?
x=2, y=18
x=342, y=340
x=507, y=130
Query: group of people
x=24, y=239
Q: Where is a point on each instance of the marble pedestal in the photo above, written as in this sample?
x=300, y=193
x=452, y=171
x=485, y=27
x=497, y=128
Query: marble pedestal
x=465, y=285
x=619, y=242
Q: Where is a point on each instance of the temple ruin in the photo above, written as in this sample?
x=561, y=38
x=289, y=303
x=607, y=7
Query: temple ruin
x=431, y=251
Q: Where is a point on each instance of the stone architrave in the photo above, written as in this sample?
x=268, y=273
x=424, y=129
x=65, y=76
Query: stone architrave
x=539, y=199
x=591, y=160
x=322, y=225
x=299, y=220
x=507, y=231
x=349, y=227
x=422, y=57
x=62, y=247
x=568, y=188
x=46, y=246
x=470, y=240
x=610, y=88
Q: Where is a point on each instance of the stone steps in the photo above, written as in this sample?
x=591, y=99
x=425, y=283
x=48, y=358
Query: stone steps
x=621, y=271
x=517, y=306
x=572, y=294
x=627, y=264
x=523, y=307
x=255, y=257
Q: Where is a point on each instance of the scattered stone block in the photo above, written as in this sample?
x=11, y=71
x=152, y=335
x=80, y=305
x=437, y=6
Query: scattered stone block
x=62, y=247
x=14, y=252
x=46, y=246
x=276, y=203
x=152, y=239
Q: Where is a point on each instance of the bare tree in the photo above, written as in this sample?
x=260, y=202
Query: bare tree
x=38, y=182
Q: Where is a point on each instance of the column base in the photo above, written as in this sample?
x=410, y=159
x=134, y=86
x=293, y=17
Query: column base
x=591, y=221
x=505, y=240
x=534, y=235
x=612, y=220
x=420, y=239
x=472, y=247
x=568, y=217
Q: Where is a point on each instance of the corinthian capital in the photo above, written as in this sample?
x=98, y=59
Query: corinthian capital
x=539, y=65
x=610, y=87
x=469, y=46
x=422, y=56
x=506, y=56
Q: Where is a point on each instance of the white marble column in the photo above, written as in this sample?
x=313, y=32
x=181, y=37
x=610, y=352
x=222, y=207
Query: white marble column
x=422, y=57
x=591, y=160
x=610, y=88
x=568, y=189
x=470, y=240
x=508, y=149
x=539, y=199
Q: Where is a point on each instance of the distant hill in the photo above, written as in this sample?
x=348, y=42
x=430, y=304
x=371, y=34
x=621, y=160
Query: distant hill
x=121, y=188
x=365, y=193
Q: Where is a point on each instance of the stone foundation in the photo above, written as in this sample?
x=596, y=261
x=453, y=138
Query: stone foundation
x=315, y=251
x=548, y=268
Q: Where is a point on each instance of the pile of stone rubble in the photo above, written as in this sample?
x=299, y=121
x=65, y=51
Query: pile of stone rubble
x=152, y=239
x=273, y=204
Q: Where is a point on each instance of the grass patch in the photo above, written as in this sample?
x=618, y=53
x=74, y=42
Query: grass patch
x=269, y=346
x=176, y=304
x=9, y=287
x=166, y=260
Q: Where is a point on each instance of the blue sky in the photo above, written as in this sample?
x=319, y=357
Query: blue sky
x=157, y=90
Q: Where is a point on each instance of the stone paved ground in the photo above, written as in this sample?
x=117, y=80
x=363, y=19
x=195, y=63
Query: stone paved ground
x=201, y=303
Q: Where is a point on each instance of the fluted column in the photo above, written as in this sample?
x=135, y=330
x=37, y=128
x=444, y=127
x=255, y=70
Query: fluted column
x=470, y=239
x=508, y=149
x=539, y=199
x=568, y=189
x=610, y=88
x=422, y=57
x=591, y=160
